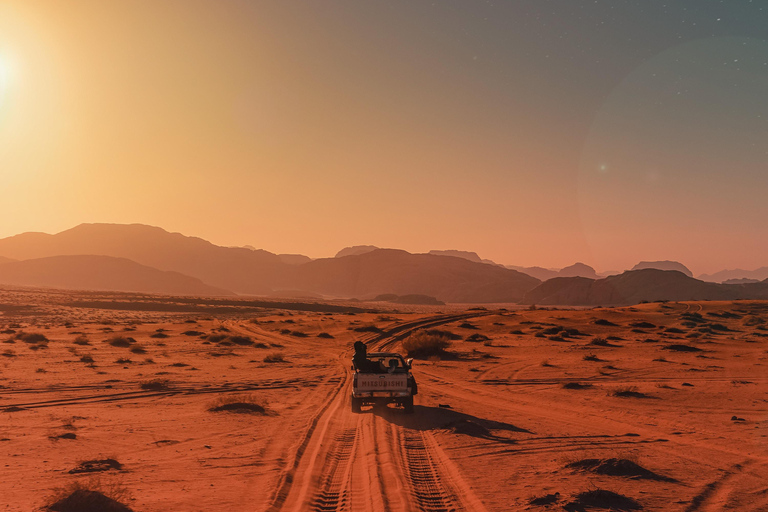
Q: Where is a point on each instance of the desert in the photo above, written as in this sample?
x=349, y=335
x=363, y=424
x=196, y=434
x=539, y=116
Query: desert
x=657, y=406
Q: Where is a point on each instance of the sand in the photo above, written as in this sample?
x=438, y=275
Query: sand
x=519, y=422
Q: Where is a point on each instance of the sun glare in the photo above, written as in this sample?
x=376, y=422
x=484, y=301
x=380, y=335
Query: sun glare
x=5, y=75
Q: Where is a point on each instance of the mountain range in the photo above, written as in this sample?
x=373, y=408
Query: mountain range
x=249, y=271
x=140, y=258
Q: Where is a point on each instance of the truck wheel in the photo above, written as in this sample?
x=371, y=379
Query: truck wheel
x=357, y=404
x=408, y=405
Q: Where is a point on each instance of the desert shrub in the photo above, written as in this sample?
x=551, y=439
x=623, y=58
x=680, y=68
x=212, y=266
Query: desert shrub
x=120, y=341
x=682, y=348
x=91, y=496
x=155, y=385
x=31, y=337
x=9, y=353
x=603, y=321
x=81, y=340
x=467, y=325
x=598, y=341
x=87, y=358
x=368, y=328
x=192, y=333
x=642, y=325
x=591, y=357
x=298, y=334
x=138, y=350
x=477, y=337
x=576, y=385
x=241, y=404
x=423, y=344
x=123, y=360
x=325, y=335
x=158, y=335
x=216, y=338
x=240, y=340
x=627, y=392
x=274, y=357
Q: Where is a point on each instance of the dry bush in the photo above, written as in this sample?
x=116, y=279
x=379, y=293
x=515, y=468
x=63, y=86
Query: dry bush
x=274, y=357
x=81, y=340
x=155, y=385
x=425, y=344
x=93, y=495
x=32, y=337
x=120, y=341
x=240, y=403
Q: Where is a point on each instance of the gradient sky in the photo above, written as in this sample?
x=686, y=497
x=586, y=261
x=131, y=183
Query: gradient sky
x=535, y=132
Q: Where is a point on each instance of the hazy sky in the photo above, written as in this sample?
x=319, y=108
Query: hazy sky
x=535, y=132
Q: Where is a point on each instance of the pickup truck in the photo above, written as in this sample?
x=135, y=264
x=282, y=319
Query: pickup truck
x=385, y=378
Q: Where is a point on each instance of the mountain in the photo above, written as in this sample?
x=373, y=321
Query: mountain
x=3, y=259
x=294, y=259
x=540, y=273
x=634, y=286
x=355, y=250
x=467, y=255
x=233, y=268
x=543, y=274
x=578, y=270
x=101, y=273
x=664, y=265
x=724, y=275
x=257, y=272
x=391, y=271
x=740, y=281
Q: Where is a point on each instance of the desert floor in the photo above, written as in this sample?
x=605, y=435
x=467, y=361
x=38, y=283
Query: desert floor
x=660, y=406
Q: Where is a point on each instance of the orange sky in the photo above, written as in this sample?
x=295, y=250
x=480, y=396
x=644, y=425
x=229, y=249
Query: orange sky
x=305, y=128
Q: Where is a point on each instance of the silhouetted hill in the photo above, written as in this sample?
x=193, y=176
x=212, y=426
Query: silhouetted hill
x=101, y=273
x=467, y=255
x=382, y=271
x=636, y=286
x=725, y=275
x=409, y=299
x=294, y=259
x=355, y=250
x=578, y=270
x=233, y=268
x=741, y=281
x=543, y=274
x=540, y=273
x=664, y=265
x=3, y=259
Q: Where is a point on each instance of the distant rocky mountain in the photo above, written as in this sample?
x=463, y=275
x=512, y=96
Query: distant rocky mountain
x=543, y=274
x=740, y=281
x=253, y=271
x=294, y=259
x=467, y=255
x=634, y=286
x=664, y=265
x=232, y=268
x=540, y=273
x=355, y=250
x=101, y=273
x=725, y=275
x=578, y=270
x=392, y=271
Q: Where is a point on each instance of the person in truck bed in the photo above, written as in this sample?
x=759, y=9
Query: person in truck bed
x=361, y=361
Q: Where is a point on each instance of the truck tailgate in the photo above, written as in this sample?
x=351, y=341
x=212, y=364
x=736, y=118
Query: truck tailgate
x=381, y=382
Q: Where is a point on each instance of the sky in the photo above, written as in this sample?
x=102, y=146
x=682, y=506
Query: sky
x=534, y=132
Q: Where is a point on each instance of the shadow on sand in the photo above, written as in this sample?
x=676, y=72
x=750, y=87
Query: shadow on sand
x=437, y=418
